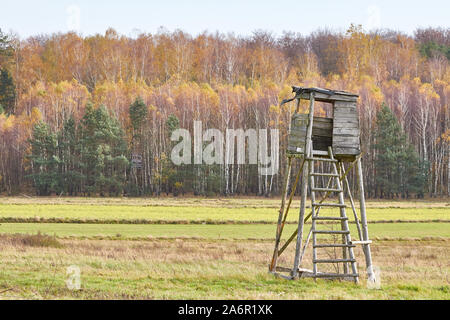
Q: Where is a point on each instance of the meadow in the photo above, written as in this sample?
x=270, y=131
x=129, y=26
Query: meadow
x=114, y=210
x=191, y=248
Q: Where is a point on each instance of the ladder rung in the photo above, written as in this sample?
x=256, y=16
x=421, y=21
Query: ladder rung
x=321, y=159
x=334, y=245
x=329, y=205
x=326, y=189
x=362, y=242
x=320, y=153
x=325, y=174
x=336, y=275
x=330, y=218
x=333, y=260
x=331, y=231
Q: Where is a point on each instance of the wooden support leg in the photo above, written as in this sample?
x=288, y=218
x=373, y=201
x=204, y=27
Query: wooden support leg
x=352, y=203
x=273, y=264
x=304, y=188
x=365, y=230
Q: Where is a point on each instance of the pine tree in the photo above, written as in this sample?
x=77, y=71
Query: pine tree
x=7, y=91
x=69, y=170
x=397, y=164
x=103, y=152
x=44, y=160
x=138, y=113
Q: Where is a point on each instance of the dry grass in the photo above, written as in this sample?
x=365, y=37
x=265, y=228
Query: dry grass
x=34, y=240
x=201, y=269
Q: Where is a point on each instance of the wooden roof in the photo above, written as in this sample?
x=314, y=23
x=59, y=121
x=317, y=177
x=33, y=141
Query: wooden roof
x=324, y=95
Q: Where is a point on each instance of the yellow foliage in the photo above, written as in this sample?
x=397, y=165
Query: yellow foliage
x=285, y=93
x=178, y=185
x=428, y=91
x=274, y=109
x=9, y=123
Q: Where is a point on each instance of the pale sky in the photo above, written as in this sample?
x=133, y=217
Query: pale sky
x=89, y=17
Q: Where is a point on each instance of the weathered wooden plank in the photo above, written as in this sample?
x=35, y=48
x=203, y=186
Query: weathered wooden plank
x=346, y=144
x=301, y=120
x=344, y=138
x=326, y=131
x=297, y=132
x=339, y=114
x=345, y=119
x=340, y=104
x=346, y=131
x=348, y=126
x=346, y=151
x=354, y=143
x=330, y=98
x=322, y=125
x=323, y=132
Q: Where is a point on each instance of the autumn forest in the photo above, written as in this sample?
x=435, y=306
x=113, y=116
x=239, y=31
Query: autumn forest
x=75, y=110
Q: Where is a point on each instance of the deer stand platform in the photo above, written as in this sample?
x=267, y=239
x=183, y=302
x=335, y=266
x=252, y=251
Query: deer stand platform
x=324, y=146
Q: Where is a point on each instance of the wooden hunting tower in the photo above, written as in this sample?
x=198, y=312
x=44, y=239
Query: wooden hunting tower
x=325, y=145
x=341, y=132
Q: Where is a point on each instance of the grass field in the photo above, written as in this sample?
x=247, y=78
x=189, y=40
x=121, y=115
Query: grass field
x=190, y=269
x=228, y=231
x=181, y=249
x=149, y=213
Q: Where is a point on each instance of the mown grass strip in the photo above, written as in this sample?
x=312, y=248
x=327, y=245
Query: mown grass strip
x=232, y=231
x=218, y=202
x=212, y=222
x=112, y=213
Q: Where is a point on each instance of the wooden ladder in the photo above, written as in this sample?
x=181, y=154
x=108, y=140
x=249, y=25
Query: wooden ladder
x=346, y=244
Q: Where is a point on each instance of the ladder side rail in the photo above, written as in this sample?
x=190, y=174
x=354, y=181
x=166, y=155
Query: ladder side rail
x=314, y=214
x=343, y=213
x=304, y=187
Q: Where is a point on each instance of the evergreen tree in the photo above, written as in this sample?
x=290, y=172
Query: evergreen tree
x=44, y=159
x=69, y=170
x=138, y=113
x=397, y=164
x=103, y=150
x=172, y=123
x=7, y=91
x=6, y=50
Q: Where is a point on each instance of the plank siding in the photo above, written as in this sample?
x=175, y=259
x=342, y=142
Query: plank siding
x=346, y=135
x=322, y=133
